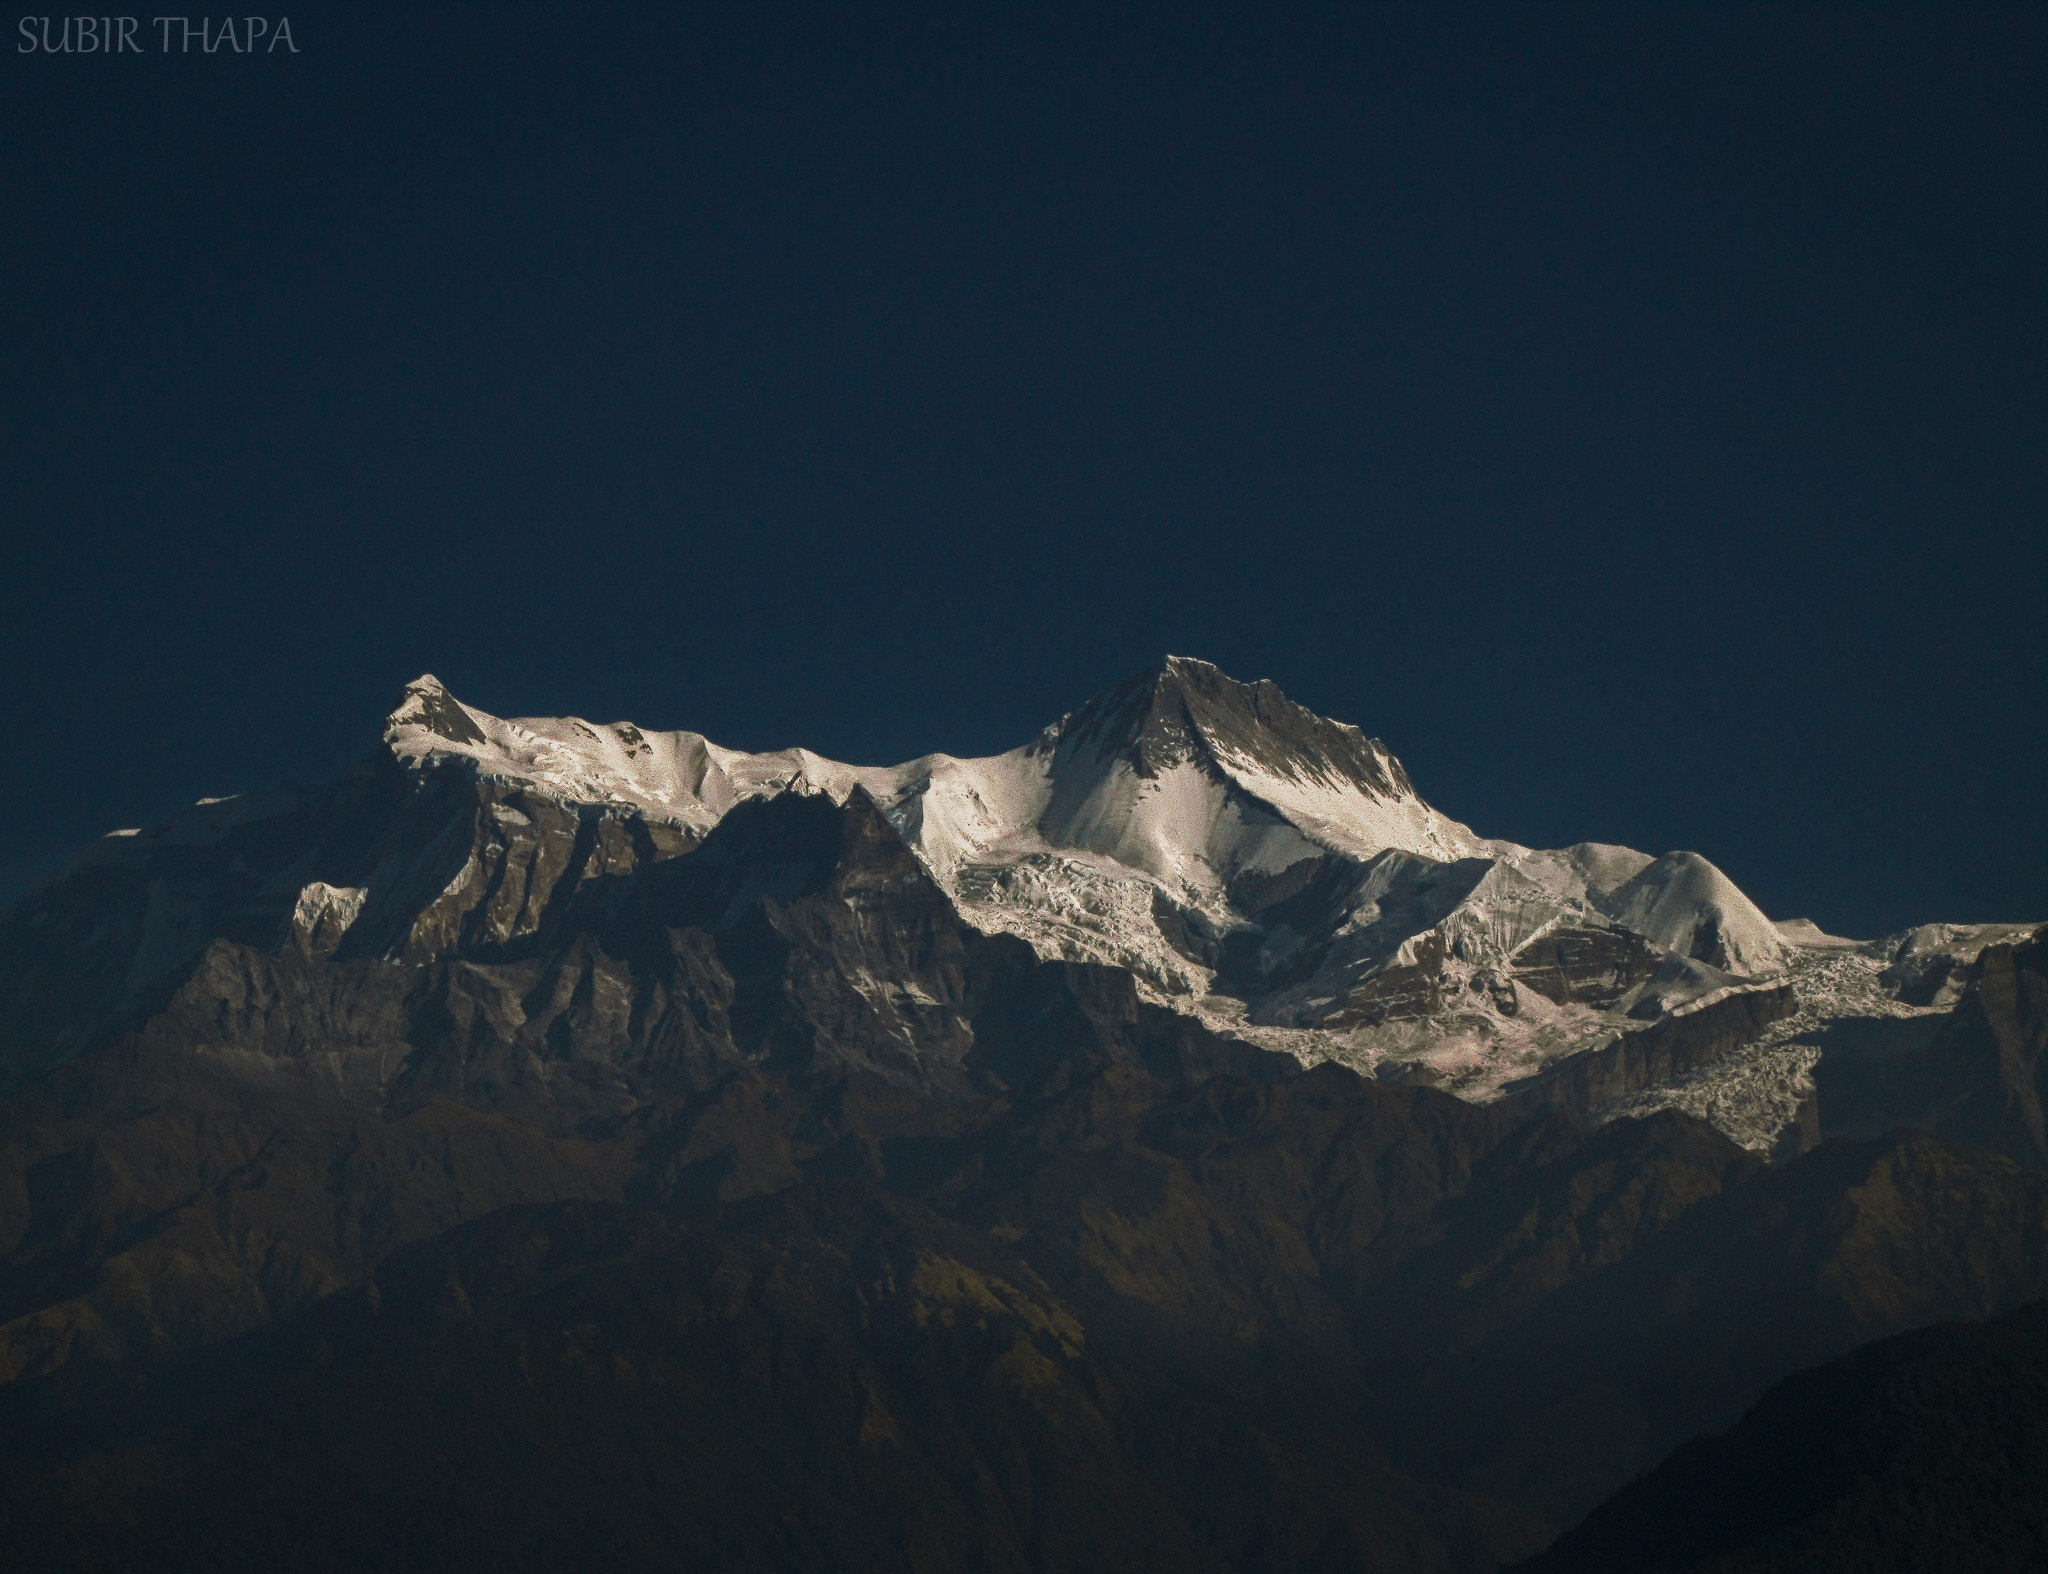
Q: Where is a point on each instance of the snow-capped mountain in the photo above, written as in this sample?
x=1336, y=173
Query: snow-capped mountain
x=1249, y=866
x=1179, y=773
x=1252, y=863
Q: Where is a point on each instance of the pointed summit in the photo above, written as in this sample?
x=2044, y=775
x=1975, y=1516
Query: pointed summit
x=427, y=705
x=1193, y=777
x=1181, y=708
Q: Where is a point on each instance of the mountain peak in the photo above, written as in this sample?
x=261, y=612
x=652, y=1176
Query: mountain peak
x=427, y=705
x=1181, y=708
x=1684, y=905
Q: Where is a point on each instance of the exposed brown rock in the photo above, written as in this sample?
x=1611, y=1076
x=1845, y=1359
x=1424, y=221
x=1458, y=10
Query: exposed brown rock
x=1647, y=1056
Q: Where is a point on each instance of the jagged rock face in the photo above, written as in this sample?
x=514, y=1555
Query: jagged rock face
x=802, y=933
x=1661, y=1052
x=1930, y=965
x=1405, y=938
x=1586, y=964
x=1979, y=1075
x=379, y=868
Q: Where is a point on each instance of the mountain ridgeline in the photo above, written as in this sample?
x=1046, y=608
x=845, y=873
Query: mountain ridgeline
x=1172, y=1144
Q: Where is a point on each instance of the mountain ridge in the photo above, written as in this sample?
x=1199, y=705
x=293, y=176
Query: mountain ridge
x=1165, y=827
x=1255, y=867
x=1481, y=972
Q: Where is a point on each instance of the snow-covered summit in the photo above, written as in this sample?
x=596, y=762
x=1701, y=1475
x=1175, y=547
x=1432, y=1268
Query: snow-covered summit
x=1182, y=743
x=1682, y=904
x=1182, y=709
x=681, y=777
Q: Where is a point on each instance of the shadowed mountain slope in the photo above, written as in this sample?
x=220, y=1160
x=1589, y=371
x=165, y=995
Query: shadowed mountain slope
x=1923, y=1454
x=1980, y=1076
x=1315, y=1322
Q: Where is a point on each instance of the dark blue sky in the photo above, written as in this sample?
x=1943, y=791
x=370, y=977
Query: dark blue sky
x=1635, y=416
